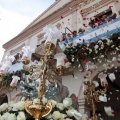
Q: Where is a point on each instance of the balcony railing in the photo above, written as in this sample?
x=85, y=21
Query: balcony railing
x=105, y=30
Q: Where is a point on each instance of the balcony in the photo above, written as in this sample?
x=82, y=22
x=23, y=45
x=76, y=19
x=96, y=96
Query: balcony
x=105, y=30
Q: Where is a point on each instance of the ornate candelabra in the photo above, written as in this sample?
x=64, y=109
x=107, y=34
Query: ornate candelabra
x=92, y=95
x=49, y=72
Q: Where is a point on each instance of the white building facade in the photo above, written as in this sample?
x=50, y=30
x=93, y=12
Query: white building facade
x=63, y=13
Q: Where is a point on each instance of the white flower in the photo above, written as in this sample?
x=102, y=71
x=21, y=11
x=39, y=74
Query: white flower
x=44, y=100
x=11, y=103
x=77, y=115
x=49, y=116
x=96, y=83
x=102, y=56
x=102, y=77
x=26, y=52
x=5, y=116
x=96, y=47
x=35, y=101
x=60, y=106
x=54, y=103
x=21, y=116
x=90, y=66
x=69, y=113
x=3, y=107
x=112, y=76
x=67, y=102
x=67, y=46
x=103, y=98
x=12, y=117
x=84, y=117
x=109, y=61
x=112, y=46
x=96, y=51
x=19, y=106
x=108, y=41
x=73, y=59
x=68, y=64
x=56, y=115
x=90, y=50
x=14, y=81
x=109, y=111
x=52, y=33
x=1, y=117
x=63, y=116
x=106, y=66
x=114, y=59
x=60, y=59
x=100, y=42
x=117, y=48
x=118, y=37
x=23, y=99
x=68, y=119
x=73, y=112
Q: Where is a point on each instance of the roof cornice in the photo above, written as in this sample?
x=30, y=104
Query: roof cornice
x=52, y=18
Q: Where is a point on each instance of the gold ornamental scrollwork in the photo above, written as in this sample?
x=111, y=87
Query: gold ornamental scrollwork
x=38, y=110
x=47, y=72
x=35, y=72
x=91, y=95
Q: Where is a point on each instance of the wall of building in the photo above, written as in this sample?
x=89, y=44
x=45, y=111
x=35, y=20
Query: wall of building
x=73, y=20
x=53, y=8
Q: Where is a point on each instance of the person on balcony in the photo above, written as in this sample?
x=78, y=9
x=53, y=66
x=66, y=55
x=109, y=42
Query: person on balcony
x=97, y=21
x=114, y=16
x=81, y=31
x=69, y=38
x=64, y=37
x=90, y=26
x=74, y=33
x=105, y=19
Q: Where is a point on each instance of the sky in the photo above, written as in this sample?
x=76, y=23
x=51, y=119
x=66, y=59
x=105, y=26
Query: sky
x=15, y=15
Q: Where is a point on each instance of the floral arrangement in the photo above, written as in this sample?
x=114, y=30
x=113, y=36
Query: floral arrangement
x=95, y=50
x=12, y=111
x=61, y=111
x=7, y=79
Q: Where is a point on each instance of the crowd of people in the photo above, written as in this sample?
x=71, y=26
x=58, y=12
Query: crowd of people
x=97, y=21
